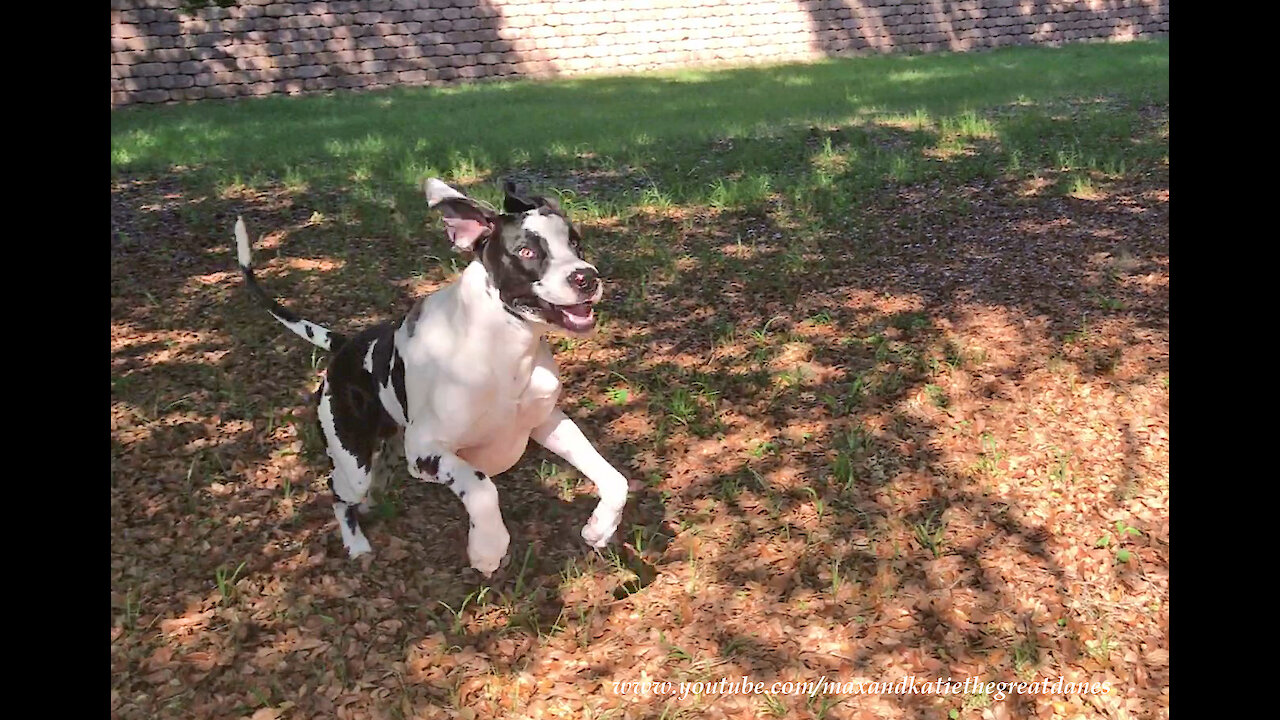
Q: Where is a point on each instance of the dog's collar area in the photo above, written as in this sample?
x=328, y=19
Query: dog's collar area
x=515, y=311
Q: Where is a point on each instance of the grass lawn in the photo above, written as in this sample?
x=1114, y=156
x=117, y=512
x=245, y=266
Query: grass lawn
x=884, y=338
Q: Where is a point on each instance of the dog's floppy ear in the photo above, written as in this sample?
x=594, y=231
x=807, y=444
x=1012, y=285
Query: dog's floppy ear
x=514, y=201
x=465, y=220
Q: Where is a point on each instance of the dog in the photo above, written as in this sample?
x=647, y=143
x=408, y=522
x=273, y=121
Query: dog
x=466, y=377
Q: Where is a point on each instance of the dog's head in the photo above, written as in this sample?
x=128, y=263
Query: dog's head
x=532, y=253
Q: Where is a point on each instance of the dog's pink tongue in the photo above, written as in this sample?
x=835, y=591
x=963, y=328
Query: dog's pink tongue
x=581, y=311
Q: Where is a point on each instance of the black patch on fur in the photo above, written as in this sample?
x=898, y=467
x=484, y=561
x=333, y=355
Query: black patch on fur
x=511, y=274
x=382, y=357
x=307, y=329
x=462, y=494
x=479, y=475
x=315, y=398
x=397, y=382
x=538, y=242
x=359, y=419
x=429, y=465
x=329, y=480
x=353, y=519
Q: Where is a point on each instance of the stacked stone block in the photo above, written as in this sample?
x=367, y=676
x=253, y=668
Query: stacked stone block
x=161, y=52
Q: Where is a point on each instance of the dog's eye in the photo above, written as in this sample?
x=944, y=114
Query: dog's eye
x=526, y=253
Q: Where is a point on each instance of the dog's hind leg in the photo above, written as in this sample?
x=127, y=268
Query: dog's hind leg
x=346, y=511
x=352, y=476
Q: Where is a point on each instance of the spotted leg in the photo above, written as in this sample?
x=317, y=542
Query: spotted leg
x=561, y=436
x=487, y=538
x=351, y=478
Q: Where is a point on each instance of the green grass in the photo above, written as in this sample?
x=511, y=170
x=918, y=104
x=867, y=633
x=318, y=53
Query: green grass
x=225, y=579
x=931, y=534
x=774, y=705
x=816, y=136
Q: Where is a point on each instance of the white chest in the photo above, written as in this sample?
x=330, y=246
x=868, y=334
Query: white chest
x=485, y=410
x=498, y=438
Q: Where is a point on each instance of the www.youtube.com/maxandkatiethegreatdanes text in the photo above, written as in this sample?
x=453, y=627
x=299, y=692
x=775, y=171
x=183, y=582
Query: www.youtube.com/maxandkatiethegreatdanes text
x=909, y=685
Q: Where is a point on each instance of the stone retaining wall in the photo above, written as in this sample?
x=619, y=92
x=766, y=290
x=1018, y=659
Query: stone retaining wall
x=161, y=52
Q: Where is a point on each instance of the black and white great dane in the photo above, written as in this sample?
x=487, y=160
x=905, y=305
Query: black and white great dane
x=466, y=377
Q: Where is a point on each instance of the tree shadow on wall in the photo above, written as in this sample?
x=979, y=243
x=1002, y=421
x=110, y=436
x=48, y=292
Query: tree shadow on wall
x=858, y=26
x=436, y=41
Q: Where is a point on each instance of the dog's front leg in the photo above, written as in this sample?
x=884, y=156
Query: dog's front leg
x=561, y=436
x=487, y=539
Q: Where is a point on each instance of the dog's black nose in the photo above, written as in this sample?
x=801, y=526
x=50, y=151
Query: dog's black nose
x=585, y=279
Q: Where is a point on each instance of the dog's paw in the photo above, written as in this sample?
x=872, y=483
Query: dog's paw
x=471, y=576
x=487, y=548
x=359, y=546
x=600, y=528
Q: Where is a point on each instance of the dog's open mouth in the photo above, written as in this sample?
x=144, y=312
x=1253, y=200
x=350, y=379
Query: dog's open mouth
x=576, y=318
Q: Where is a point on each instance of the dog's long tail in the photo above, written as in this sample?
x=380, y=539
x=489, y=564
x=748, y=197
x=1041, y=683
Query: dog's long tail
x=315, y=334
